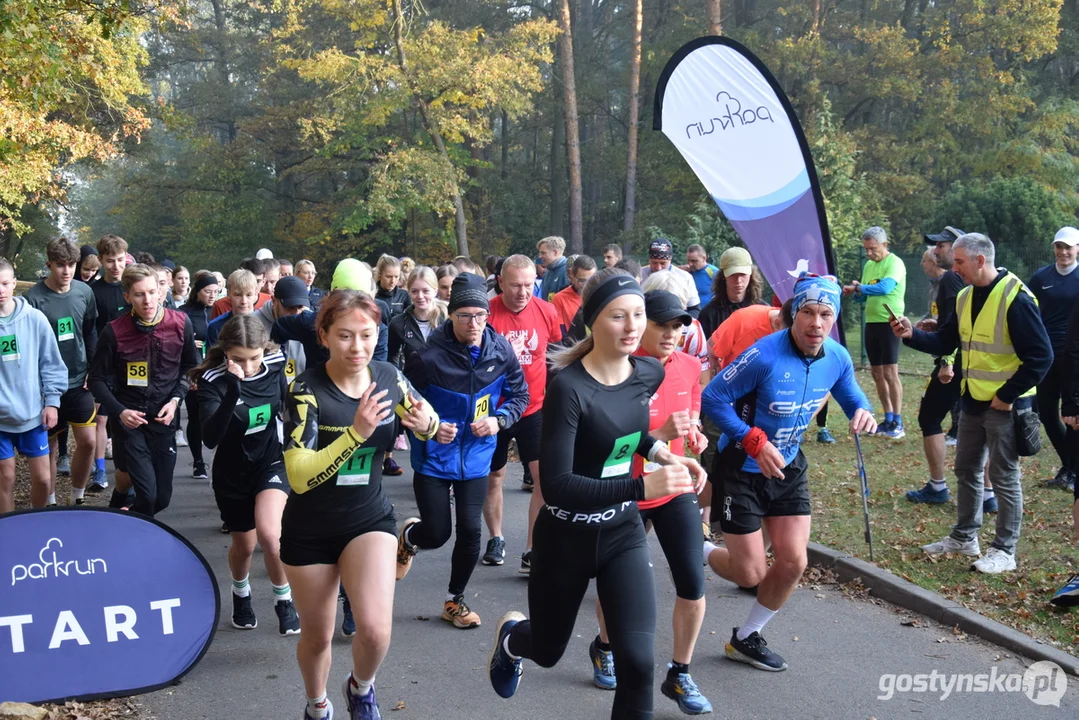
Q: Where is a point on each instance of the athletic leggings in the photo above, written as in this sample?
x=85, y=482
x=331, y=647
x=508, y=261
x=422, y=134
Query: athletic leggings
x=433, y=530
x=149, y=457
x=565, y=556
x=677, y=524
x=194, y=427
x=1050, y=392
x=822, y=416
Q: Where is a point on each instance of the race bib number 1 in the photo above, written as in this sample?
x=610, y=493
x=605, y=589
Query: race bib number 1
x=357, y=471
x=138, y=374
x=621, y=457
x=65, y=329
x=9, y=348
x=257, y=419
x=483, y=408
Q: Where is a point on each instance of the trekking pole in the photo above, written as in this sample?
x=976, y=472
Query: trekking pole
x=865, y=495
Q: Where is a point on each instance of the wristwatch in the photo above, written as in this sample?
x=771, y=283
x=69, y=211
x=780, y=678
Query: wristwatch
x=502, y=422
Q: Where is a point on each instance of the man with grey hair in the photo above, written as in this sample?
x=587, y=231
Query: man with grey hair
x=883, y=286
x=1006, y=353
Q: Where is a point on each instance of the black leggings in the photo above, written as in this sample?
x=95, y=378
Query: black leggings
x=194, y=427
x=822, y=416
x=565, y=556
x=677, y=524
x=1050, y=392
x=149, y=457
x=433, y=530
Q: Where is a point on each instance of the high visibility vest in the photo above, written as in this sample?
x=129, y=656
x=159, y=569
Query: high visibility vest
x=989, y=359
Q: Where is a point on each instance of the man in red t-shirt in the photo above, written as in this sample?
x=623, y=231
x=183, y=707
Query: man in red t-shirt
x=567, y=301
x=530, y=324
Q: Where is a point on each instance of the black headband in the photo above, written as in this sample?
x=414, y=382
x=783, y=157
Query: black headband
x=202, y=283
x=608, y=290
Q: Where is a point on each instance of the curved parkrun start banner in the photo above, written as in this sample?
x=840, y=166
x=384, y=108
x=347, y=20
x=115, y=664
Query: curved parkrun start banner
x=98, y=603
x=727, y=115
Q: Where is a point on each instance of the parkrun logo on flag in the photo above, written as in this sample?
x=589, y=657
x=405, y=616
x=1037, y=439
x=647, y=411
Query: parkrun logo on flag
x=49, y=562
x=736, y=116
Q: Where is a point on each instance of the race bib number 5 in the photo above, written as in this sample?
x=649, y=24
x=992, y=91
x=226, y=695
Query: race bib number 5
x=357, y=471
x=138, y=374
x=621, y=457
x=9, y=348
x=257, y=419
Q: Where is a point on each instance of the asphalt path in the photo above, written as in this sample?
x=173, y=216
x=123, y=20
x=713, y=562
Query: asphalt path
x=844, y=653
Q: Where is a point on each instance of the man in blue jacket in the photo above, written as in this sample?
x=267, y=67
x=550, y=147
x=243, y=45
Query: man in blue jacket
x=470, y=376
x=763, y=402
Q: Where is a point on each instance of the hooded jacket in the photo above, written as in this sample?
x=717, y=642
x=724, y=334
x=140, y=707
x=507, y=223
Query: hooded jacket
x=33, y=375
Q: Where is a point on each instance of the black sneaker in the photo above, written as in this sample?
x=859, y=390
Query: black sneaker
x=526, y=563
x=527, y=483
x=1065, y=480
x=288, y=622
x=224, y=529
x=754, y=651
x=199, y=472
x=243, y=615
x=496, y=552
x=391, y=468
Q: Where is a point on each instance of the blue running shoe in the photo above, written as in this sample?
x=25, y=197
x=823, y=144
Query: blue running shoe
x=99, y=481
x=824, y=436
x=989, y=505
x=929, y=496
x=684, y=692
x=348, y=625
x=895, y=431
x=602, y=667
x=883, y=428
x=1067, y=596
x=361, y=707
x=327, y=715
x=504, y=671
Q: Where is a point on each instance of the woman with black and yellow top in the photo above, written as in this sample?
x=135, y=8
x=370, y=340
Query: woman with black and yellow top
x=241, y=392
x=338, y=525
x=202, y=296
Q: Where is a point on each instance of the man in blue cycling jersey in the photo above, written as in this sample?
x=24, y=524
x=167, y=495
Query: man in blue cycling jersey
x=763, y=402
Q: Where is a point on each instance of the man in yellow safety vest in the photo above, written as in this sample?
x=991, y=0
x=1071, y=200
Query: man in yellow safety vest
x=1006, y=353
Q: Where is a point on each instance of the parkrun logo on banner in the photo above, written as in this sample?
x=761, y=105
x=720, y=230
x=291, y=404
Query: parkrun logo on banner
x=735, y=116
x=50, y=562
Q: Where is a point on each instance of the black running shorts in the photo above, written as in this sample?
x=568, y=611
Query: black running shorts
x=76, y=408
x=742, y=498
x=527, y=430
x=238, y=510
x=326, y=550
x=881, y=344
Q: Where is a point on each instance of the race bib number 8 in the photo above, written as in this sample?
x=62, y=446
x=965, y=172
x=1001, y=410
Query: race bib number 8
x=357, y=471
x=621, y=457
x=257, y=419
x=138, y=374
x=9, y=348
x=65, y=329
x=483, y=408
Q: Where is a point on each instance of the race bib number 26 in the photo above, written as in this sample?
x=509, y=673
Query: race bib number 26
x=9, y=348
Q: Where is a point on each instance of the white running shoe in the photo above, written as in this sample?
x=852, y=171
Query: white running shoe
x=108, y=449
x=994, y=562
x=181, y=441
x=951, y=545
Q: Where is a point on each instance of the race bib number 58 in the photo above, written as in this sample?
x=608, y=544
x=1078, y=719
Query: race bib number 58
x=138, y=374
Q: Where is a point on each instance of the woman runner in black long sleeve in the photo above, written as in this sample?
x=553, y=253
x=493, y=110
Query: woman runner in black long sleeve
x=590, y=526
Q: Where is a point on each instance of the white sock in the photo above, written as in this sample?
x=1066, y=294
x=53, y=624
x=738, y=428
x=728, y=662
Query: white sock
x=938, y=485
x=756, y=620
x=709, y=546
x=281, y=592
x=450, y=597
x=506, y=647
x=241, y=588
x=77, y=493
x=988, y=494
x=359, y=687
x=51, y=499
x=319, y=707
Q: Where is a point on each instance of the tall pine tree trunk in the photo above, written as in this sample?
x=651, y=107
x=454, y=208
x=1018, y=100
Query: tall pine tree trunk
x=634, y=113
x=573, y=134
x=715, y=17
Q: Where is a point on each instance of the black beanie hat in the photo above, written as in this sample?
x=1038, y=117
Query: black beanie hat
x=468, y=290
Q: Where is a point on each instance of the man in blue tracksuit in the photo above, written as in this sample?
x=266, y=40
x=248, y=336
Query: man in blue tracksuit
x=763, y=402
x=470, y=376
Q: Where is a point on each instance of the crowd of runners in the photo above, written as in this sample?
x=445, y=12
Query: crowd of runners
x=662, y=398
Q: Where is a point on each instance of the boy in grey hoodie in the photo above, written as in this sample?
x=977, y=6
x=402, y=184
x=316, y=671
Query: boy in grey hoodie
x=32, y=379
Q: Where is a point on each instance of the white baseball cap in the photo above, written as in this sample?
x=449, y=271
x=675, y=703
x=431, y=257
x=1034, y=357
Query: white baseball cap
x=264, y=253
x=1067, y=235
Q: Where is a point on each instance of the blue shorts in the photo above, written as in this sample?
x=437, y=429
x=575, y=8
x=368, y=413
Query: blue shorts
x=32, y=443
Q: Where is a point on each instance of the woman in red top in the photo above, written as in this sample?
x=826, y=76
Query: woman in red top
x=674, y=417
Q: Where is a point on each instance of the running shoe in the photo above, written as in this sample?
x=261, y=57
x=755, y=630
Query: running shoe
x=361, y=707
x=455, y=611
x=989, y=505
x=603, y=675
x=895, y=431
x=929, y=496
x=883, y=428
x=348, y=625
x=108, y=449
x=754, y=651
x=199, y=472
x=1065, y=480
x=951, y=545
x=684, y=692
x=405, y=551
x=496, y=552
x=63, y=464
x=503, y=671
x=181, y=441
x=288, y=622
x=950, y=440
x=225, y=529
x=77, y=501
x=526, y=563
x=401, y=443
x=824, y=436
x=1067, y=596
x=391, y=468
x=243, y=615
x=994, y=562
x=527, y=483
x=326, y=715
x=99, y=481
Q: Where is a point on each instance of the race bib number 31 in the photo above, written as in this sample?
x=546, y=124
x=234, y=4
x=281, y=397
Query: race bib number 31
x=138, y=374
x=621, y=457
x=9, y=348
x=65, y=329
x=357, y=471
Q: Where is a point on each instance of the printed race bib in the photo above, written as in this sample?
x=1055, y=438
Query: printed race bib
x=138, y=374
x=290, y=370
x=621, y=457
x=357, y=471
x=257, y=419
x=65, y=329
x=9, y=348
x=483, y=408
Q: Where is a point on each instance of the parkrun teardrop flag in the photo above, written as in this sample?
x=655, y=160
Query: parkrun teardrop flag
x=733, y=124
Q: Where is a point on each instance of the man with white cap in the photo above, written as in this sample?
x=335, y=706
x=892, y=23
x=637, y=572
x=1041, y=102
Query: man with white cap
x=1057, y=288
